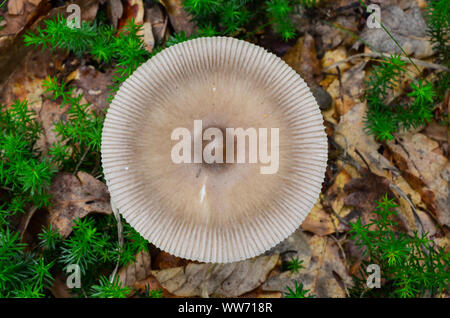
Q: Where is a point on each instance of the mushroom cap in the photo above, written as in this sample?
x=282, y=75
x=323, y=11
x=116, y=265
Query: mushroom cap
x=206, y=212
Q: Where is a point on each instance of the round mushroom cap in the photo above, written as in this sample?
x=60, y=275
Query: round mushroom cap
x=213, y=212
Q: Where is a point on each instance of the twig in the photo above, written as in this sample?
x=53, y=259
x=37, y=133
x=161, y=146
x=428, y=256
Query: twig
x=338, y=243
x=363, y=159
x=119, y=238
x=81, y=160
x=378, y=55
x=413, y=208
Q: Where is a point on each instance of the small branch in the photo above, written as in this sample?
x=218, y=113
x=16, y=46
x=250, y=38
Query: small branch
x=81, y=160
x=413, y=208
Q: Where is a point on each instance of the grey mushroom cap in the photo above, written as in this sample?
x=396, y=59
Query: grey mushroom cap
x=197, y=211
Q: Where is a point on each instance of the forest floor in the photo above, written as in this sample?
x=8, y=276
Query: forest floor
x=333, y=52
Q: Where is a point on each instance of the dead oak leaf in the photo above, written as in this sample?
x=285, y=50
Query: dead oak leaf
x=326, y=275
x=95, y=85
x=151, y=283
x=179, y=18
x=426, y=169
x=114, y=11
x=347, y=91
x=15, y=7
x=363, y=151
x=352, y=137
x=136, y=271
x=408, y=29
x=75, y=197
x=302, y=57
x=364, y=192
x=165, y=260
x=217, y=280
x=318, y=221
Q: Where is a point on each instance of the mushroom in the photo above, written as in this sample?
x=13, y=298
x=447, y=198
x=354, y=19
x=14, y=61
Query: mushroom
x=212, y=211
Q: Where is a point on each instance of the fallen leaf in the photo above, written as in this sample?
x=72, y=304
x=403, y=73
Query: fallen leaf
x=295, y=246
x=158, y=21
x=356, y=144
x=114, y=11
x=426, y=169
x=351, y=136
x=338, y=32
x=408, y=29
x=59, y=287
x=318, y=221
x=216, y=280
x=15, y=7
x=75, y=197
x=151, y=283
x=95, y=85
x=132, y=9
x=149, y=39
x=50, y=113
x=302, y=57
x=13, y=52
x=165, y=260
x=179, y=18
x=364, y=192
x=12, y=48
x=436, y=131
x=34, y=2
x=330, y=58
x=259, y=293
x=326, y=274
x=136, y=271
x=347, y=91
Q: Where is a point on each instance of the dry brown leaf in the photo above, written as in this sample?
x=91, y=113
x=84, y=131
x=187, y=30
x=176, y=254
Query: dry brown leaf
x=426, y=169
x=132, y=9
x=217, y=280
x=114, y=11
x=165, y=260
x=259, y=293
x=149, y=39
x=350, y=135
x=325, y=275
x=408, y=28
x=436, y=131
x=321, y=220
x=13, y=52
x=302, y=57
x=34, y=2
x=75, y=197
x=295, y=246
x=318, y=221
x=347, y=91
x=334, y=56
x=331, y=36
x=179, y=18
x=151, y=283
x=50, y=113
x=15, y=7
x=12, y=48
x=364, y=192
x=136, y=271
x=95, y=85
x=59, y=287
x=330, y=58
x=158, y=21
